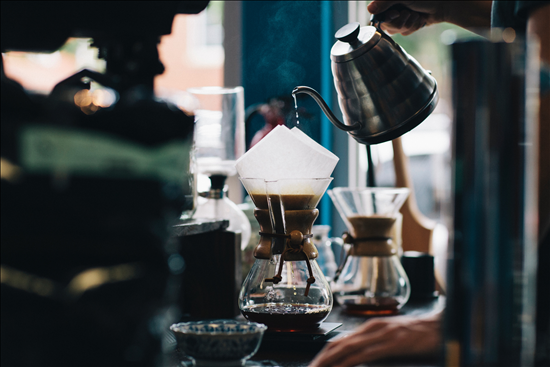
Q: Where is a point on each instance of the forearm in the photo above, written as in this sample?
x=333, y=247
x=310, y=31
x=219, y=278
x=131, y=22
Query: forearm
x=468, y=14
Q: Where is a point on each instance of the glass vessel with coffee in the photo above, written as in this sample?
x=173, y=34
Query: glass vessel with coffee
x=286, y=289
x=370, y=280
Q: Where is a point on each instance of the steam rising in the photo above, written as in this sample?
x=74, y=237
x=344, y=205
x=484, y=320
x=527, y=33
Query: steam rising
x=284, y=43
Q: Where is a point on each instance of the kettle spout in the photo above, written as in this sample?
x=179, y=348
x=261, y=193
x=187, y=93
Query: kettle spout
x=320, y=101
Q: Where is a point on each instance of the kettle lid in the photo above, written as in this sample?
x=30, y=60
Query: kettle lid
x=353, y=41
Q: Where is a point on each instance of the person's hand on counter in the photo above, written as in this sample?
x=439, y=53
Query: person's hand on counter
x=382, y=338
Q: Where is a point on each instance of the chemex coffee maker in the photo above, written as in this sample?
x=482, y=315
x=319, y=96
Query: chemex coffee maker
x=89, y=192
x=286, y=174
x=371, y=280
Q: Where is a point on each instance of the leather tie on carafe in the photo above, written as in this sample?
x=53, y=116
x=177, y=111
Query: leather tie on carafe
x=348, y=238
x=382, y=238
x=294, y=244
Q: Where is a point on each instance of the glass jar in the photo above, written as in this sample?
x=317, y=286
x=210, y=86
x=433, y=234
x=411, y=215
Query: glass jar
x=286, y=289
x=285, y=306
x=218, y=206
x=371, y=279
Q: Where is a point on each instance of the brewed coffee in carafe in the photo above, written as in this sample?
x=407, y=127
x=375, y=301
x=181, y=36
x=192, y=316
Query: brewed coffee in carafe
x=286, y=289
x=371, y=279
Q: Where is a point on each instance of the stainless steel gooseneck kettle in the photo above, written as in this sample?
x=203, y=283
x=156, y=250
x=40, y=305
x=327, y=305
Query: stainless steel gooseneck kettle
x=383, y=92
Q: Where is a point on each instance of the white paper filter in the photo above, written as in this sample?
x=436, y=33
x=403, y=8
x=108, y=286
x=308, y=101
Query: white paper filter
x=286, y=153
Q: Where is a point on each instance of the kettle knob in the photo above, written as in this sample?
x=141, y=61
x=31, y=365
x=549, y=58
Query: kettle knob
x=349, y=33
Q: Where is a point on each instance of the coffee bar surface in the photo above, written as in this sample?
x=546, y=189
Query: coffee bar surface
x=199, y=239
x=299, y=349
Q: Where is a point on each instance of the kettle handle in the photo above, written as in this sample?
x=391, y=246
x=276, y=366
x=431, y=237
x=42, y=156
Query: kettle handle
x=380, y=18
x=317, y=97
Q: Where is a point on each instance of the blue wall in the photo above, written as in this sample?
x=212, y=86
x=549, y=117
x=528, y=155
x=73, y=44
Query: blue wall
x=281, y=50
x=286, y=44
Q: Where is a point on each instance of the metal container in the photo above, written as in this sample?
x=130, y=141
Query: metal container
x=383, y=92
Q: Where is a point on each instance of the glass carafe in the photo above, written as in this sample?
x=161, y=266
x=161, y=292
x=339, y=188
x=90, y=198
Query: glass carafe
x=219, y=140
x=219, y=129
x=219, y=207
x=371, y=279
x=286, y=289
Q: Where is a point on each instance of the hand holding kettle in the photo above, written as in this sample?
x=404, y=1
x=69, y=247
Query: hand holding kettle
x=383, y=92
x=406, y=17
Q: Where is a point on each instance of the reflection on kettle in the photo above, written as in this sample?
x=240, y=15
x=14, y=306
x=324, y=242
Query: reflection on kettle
x=383, y=92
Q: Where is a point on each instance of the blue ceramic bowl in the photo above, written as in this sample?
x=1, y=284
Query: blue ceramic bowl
x=218, y=342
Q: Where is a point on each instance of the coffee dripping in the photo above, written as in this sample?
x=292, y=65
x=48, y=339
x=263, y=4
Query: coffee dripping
x=286, y=289
x=370, y=279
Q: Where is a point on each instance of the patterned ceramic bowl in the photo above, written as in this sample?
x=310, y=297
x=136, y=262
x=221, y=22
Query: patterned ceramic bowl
x=218, y=342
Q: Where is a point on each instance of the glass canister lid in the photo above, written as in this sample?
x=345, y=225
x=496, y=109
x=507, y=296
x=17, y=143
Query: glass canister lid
x=353, y=41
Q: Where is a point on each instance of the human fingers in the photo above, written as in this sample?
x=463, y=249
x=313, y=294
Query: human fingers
x=364, y=355
x=388, y=341
x=380, y=327
x=381, y=338
x=389, y=348
x=401, y=343
x=400, y=21
x=413, y=19
x=329, y=350
x=428, y=7
x=380, y=6
x=404, y=30
x=397, y=24
x=352, y=351
x=429, y=12
x=395, y=342
x=407, y=337
x=340, y=353
x=337, y=353
x=418, y=24
x=372, y=325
